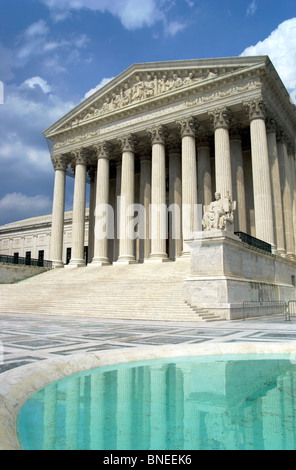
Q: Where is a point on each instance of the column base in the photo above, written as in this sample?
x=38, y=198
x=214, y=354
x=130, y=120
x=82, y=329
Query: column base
x=57, y=264
x=281, y=252
x=125, y=260
x=185, y=255
x=161, y=258
x=76, y=263
x=99, y=262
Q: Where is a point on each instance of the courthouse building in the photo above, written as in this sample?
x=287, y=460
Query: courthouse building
x=174, y=133
x=155, y=145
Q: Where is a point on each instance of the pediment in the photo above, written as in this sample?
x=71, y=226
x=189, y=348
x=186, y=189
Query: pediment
x=144, y=84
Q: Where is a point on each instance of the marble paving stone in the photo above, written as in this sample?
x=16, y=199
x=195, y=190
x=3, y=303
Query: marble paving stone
x=164, y=340
x=40, y=344
x=30, y=338
x=98, y=347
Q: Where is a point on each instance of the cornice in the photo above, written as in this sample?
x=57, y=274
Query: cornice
x=278, y=100
x=206, y=75
x=195, y=104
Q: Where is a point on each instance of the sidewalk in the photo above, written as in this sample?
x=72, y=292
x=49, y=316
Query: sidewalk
x=29, y=338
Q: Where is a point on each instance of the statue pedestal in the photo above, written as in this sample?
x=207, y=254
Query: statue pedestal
x=225, y=272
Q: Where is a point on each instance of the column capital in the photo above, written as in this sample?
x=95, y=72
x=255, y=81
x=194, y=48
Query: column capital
x=188, y=126
x=102, y=150
x=256, y=108
x=204, y=138
x=128, y=143
x=173, y=143
x=80, y=156
x=281, y=136
x=221, y=118
x=271, y=125
x=60, y=162
x=91, y=173
x=291, y=149
x=144, y=150
x=158, y=134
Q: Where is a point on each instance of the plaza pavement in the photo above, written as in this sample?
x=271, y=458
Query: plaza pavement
x=26, y=339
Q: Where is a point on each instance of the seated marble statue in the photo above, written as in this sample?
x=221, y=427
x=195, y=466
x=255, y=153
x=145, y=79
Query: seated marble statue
x=219, y=214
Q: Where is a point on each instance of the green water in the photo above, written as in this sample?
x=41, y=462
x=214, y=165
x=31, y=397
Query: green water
x=239, y=402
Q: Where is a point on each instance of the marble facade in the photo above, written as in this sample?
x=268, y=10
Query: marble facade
x=174, y=133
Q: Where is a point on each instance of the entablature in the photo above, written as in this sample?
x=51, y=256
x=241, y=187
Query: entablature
x=162, y=93
x=146, y=86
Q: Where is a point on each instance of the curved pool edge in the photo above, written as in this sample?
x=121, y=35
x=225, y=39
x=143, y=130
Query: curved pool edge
x=19, y=384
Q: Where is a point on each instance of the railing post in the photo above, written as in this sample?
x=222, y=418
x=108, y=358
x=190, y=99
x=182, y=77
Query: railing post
x=287, y=316
x=17, y=260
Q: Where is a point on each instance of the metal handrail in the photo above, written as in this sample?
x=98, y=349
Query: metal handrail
x=22, y=261
x=291, y=309
x=264, y=308
x=254, y=242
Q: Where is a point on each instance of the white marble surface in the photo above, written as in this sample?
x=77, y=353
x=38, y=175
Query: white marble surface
x=18, y=385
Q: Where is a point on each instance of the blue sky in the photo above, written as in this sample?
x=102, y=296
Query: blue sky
x=53, y=53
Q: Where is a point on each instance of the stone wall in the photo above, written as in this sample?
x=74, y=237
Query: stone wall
x=11, y=274
x=225, y=272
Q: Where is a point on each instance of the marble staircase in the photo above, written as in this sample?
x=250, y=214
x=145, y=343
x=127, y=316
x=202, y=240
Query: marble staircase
x=149, y=291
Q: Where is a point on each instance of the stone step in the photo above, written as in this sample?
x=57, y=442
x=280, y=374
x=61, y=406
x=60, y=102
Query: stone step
x=140, y=291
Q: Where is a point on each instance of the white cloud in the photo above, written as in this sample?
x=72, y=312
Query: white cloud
x=36, y=42
x=6, y=63
x=23, y=206
x=37, y=81
x=31, y=41
x=252, y=8
x=103, y=82
x=39, y=28
x=174, y=27
x=24, y=154
x=133, y=14
x=280, y=46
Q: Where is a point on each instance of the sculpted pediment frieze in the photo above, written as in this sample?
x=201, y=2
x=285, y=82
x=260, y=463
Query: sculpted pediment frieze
x=141, y=86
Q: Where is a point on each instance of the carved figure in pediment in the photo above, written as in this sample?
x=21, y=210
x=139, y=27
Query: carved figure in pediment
x=106, y=106
x=149, y=87
x=177, y=81
x=164, y=84
x=219, y=214
x=127, y=95
x=138, y=90
x=115, y=101
x=90, y=113
x=75, y=122
x=211, y=75
x=189, y=80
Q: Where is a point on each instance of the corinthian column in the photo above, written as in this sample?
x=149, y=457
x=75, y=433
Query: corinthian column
x=78, y=222
x=126, y=229
x=279, y=232
x=221, y=120
x=58, y=209
x=204, y=176
x=238, y=183
x=261, y=171
x=145, y=198
x=175, y=197
x=91, y=219
x=188, y=128
x=158, y=213
x=102, y=211
x=286, y=192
